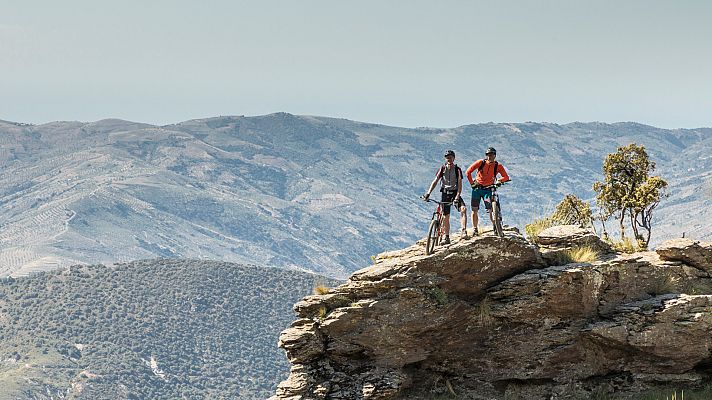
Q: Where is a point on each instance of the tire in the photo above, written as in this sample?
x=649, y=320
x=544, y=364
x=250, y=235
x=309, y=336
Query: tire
x=497, y=218
x=433, y=236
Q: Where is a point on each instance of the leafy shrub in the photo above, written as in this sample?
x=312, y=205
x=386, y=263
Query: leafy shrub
x=437, y=295
x=573, y=211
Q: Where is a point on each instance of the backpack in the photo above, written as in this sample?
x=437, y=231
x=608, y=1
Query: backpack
x=441, y=172
x=482, y=166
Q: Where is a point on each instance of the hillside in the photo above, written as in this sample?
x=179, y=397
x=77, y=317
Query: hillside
x=163, y=329
x=290, y=191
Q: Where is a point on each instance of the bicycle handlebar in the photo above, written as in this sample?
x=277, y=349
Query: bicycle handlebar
x=439, y=202
x=494, y=185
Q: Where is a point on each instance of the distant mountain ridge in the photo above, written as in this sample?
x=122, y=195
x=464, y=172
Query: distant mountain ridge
x=314, y=193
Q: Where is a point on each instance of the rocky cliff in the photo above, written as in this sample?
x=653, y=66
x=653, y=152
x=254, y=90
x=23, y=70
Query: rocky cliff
x=494, y=318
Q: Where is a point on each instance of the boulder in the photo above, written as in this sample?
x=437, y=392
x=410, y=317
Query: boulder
x=665, y=335
x=302, y=341
x=695, y=253
x=558, y=239
x=566, y=236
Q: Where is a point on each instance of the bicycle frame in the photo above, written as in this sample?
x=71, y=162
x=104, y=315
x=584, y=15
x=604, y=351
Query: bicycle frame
x=435, y=230
x=438, y=211
x=438, y=214
x=494, y=198
x=495, y=210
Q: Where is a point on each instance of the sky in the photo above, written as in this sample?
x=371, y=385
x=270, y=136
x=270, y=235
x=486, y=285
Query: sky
x=404, y=63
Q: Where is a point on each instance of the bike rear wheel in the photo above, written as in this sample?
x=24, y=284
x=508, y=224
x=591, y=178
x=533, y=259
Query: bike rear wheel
x=497, y=219
x=433, y=236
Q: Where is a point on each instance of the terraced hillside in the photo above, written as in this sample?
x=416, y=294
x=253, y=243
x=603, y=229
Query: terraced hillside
x=162, y=329
x=302, y=192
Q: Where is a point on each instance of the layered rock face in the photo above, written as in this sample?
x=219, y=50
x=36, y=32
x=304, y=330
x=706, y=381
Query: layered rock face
x=496, y=318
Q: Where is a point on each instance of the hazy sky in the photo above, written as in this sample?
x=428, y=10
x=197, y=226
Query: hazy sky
x=406, y=63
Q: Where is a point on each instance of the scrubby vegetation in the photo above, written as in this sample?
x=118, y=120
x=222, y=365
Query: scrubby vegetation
x=320, y=288
x=533, y=229
x=704, y=393
x=627, y=193
x=581, y=254
x=584, y=254
x=570, y=211
x=148, y=330
x=573, y=211
x=626, y=245
x=437, y=295
x=484, y=312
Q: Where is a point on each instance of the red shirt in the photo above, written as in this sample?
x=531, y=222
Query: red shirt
x=487, y=175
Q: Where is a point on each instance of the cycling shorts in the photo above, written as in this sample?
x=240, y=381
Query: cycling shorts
x=481, y=194
x=448, y=197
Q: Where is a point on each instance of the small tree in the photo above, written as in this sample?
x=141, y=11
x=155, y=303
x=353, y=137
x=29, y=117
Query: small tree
x=647, y=198
x=628, y=190
x=573, y=211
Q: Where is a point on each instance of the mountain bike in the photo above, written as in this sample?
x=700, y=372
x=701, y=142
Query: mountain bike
x=435, y=230
x=496, y=209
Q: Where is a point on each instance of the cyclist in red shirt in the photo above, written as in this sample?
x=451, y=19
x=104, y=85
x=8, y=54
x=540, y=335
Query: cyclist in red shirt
x=487, y=171
x=451, y=176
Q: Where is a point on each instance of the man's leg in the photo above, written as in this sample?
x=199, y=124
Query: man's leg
x=475, y=204
x=463, y=218
x=475, y=219
x=488, y=202
x=447, y=197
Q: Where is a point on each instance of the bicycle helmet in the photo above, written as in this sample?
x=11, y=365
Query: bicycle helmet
x=491, y=150
x=449, y=153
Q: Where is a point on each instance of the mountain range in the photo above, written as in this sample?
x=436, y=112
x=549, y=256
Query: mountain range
x=302, y=192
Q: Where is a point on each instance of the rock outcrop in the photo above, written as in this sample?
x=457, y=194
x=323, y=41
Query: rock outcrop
x=558, y=239
x=688, y=251
x=491, y=318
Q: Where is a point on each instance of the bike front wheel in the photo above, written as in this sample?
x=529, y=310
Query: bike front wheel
x=497, y=219
x=433, y=236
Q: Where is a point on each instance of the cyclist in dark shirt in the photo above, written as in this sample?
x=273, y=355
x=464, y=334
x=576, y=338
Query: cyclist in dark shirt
x=451, y=177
